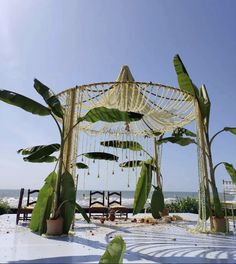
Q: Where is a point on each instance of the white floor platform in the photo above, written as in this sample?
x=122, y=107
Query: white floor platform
x=146, y=243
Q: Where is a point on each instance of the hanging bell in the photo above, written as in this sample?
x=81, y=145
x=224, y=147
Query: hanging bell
x=94, y=161
x=98, y=176
x=113, y=172
x=88, y=173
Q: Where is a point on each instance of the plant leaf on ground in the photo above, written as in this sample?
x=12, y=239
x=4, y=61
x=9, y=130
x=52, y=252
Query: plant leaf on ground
x=114, y=252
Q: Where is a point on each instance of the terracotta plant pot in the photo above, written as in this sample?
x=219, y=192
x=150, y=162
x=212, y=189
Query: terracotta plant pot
x=55, y=226
x=220, y=224
x=165, y=212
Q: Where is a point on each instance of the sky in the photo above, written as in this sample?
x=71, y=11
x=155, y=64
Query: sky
x=68, y=43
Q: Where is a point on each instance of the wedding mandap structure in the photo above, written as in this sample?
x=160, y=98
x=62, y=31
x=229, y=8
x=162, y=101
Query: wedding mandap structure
x=164, y=109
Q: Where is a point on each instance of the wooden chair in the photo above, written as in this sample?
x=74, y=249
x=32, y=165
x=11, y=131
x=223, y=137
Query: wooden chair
x=97, y=204
x=115, y=204
x=24, y=212
x=229, y=203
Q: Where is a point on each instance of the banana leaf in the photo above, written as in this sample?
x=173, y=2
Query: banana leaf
x=185, y=83
x=132, y=145
x=231, y=130
x=67, y=200
x=41, y=152
x=231, y=171
x=81, y=165
x=180, y=131
x=100, y=155
x=109, y=115
x=177, y=140
x=46, y=159
x=82, y=212
x=114, y=252
x=31, y=150
x=49, y=98
x=143, y=187
x=157, y=202
x=43, y=206
x=131, y=163
x=23, y=102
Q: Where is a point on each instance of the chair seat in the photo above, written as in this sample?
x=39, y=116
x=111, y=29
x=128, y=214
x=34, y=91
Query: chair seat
x=97, y=205
x=229, y=204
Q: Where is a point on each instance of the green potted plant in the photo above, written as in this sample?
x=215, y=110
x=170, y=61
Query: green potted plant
x=57, y=198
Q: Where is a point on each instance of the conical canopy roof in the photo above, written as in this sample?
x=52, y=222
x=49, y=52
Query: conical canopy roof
x=164, y=108
x=125, y=75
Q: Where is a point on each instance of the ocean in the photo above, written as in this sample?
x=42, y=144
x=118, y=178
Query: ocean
x=11, y=196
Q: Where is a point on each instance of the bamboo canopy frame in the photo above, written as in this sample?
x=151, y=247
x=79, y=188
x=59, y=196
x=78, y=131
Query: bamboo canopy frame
x=164, y=109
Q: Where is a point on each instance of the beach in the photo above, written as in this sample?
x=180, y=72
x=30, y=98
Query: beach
x=176, y=242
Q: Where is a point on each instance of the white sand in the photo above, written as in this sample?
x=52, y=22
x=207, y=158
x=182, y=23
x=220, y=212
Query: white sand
x=146, y=243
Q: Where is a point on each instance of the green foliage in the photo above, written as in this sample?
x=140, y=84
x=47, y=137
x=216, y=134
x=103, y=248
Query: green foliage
x=109, y=115
x=24, y=103
x=114, y=252
x=177, y=140
x=184, y=205
x=181, y=131
x=230, y=129
x=131, y=163
x=81, y=165
x=67, y=200
x=205, y=106
x=43, y=206
x=231, y=171
x=186, y=85
x=143, y=186
x=157, y=202
x=4, y=207
x=184, y=80
x=47, y=159
x=100, y=155
x=132, y=145
x=82, y=211
x=40, y=153
x=31, y=150
x=49, y=98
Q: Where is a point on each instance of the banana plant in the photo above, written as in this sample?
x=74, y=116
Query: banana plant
x=203, y=100
x=143, y=186
x=58, y=195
